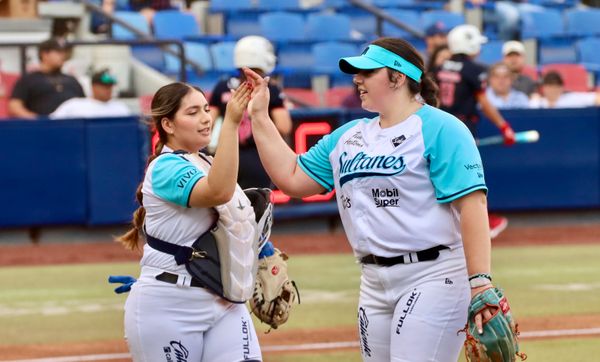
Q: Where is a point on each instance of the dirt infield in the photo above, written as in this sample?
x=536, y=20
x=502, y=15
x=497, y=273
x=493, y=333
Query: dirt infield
x=295, y=244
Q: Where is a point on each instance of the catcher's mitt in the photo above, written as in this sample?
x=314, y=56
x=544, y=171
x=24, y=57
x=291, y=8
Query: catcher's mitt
x=274, y=293
x=499, y=341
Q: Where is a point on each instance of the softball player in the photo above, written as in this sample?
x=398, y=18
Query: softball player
x=169, y=316
x=411, y=195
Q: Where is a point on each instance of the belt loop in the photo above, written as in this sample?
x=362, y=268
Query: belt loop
x=183, y=281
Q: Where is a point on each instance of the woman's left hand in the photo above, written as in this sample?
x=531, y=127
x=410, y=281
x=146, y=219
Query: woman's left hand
x=486, y=313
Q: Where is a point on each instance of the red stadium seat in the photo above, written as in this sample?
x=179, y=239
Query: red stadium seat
x=7, y=83
x=335, y=96
x=574, y=75
x=302, y=97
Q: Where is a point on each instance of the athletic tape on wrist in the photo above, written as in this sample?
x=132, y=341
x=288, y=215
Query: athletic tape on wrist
x=479, y=282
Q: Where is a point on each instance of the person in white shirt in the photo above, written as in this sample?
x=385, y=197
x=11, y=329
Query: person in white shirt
x=99, y=105
x=500, y=91
x=555, y=96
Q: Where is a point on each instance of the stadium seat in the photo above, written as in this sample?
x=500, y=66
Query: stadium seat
x=282, y=26
x=326, y=56
x=133, y=18
x=199, y=52
x=557, y=50
x=395, y=3
x=574, y=76
x=242, y=23
x=230, y=5
x=174, y=24
x=583, y=22
x=292, y=57
x=302, y=97
x=408, y=17
x=449, y=19
x=222, y=55
x=589, y=55
x=491, y=52
x=7, y=82
x=326, y=27
x=542, y=24
x=336, y=95
x=274, y=5
x=362, y=23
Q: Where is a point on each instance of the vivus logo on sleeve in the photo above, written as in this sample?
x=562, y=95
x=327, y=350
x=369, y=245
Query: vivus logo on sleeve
x=178, y=350
x=363, y=165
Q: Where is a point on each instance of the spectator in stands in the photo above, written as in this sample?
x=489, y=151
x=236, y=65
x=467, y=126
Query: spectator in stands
x=461, y=81
x=436, y=35
x=39, y=93
x=514, y=57
x=554, y=95
x=149, y=7
x=500, y=91
x=256, y=53
x=439, y=55
x=99, y=105
x=507, y=16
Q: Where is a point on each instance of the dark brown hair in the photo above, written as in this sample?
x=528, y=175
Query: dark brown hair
x=427, y=87
x=165, y=103
x=553, y=78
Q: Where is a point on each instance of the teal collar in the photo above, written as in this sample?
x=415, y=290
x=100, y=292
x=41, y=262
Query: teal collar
x=375, y=57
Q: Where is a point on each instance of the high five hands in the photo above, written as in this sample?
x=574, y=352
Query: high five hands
x=259, y=102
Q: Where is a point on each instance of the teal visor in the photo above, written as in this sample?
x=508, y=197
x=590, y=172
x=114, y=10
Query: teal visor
x=375, y=57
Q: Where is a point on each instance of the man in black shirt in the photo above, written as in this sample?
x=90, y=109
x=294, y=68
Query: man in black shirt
x=462, y=89
x=39, y=93
x=257, y=53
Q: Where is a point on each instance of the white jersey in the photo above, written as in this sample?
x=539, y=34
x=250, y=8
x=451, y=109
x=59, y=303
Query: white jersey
x=90, y=108
x=394, y=185
x=166, y=191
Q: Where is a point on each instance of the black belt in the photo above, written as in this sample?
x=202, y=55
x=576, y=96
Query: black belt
x=172, y=279
x=423, y=255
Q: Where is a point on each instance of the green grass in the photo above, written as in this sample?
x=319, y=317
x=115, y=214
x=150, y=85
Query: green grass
x=74, y=303
x=554, y=350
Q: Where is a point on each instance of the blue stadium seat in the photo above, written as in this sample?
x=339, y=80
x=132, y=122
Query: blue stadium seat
x=174, y=24
x=558, y=50
x=199, y=52
x=222, y=55
x=133, y=18
x=327, y=54
x=282, y=26
x=361, y=22
x=274, y=5
x=542, y=24
x=230, y=5
x=408, y=17
x=589, y=51
x=326, y=27
x=583, y=22
x=294, y=57
x=326, y=57
x=491, y=52
x=447, y=18
x=395, y=3
x=242, y=23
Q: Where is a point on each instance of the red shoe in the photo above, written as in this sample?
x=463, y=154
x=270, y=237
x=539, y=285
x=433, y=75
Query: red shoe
x=497, y=224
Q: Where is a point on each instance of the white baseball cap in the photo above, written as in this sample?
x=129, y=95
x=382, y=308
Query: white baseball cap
x=513, y=46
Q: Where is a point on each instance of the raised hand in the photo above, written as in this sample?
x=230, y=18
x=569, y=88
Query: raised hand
x=259, y=104
x=238, y=102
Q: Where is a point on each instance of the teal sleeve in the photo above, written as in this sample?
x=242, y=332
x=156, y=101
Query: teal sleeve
x=315, y=162
x=454, y=161
x=173, y=179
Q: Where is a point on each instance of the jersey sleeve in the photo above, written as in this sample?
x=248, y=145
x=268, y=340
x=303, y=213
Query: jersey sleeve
x=477, y=78
x=316, y=164
x=173, y=179
x=454, y=162
x=20, y=90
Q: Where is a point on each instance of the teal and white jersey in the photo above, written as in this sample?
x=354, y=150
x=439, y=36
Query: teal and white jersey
x=167, y=187
x=394, y=185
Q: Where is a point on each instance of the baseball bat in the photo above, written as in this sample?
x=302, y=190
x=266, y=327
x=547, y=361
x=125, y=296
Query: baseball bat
x=520, y=137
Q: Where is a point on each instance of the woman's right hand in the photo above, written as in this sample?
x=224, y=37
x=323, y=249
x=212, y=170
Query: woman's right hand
x=259, y=105
x=238, y=103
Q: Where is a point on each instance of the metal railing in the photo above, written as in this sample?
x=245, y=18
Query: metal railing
x=382, y=16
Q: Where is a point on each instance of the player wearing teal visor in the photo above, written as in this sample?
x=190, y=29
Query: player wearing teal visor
x=374, y=57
